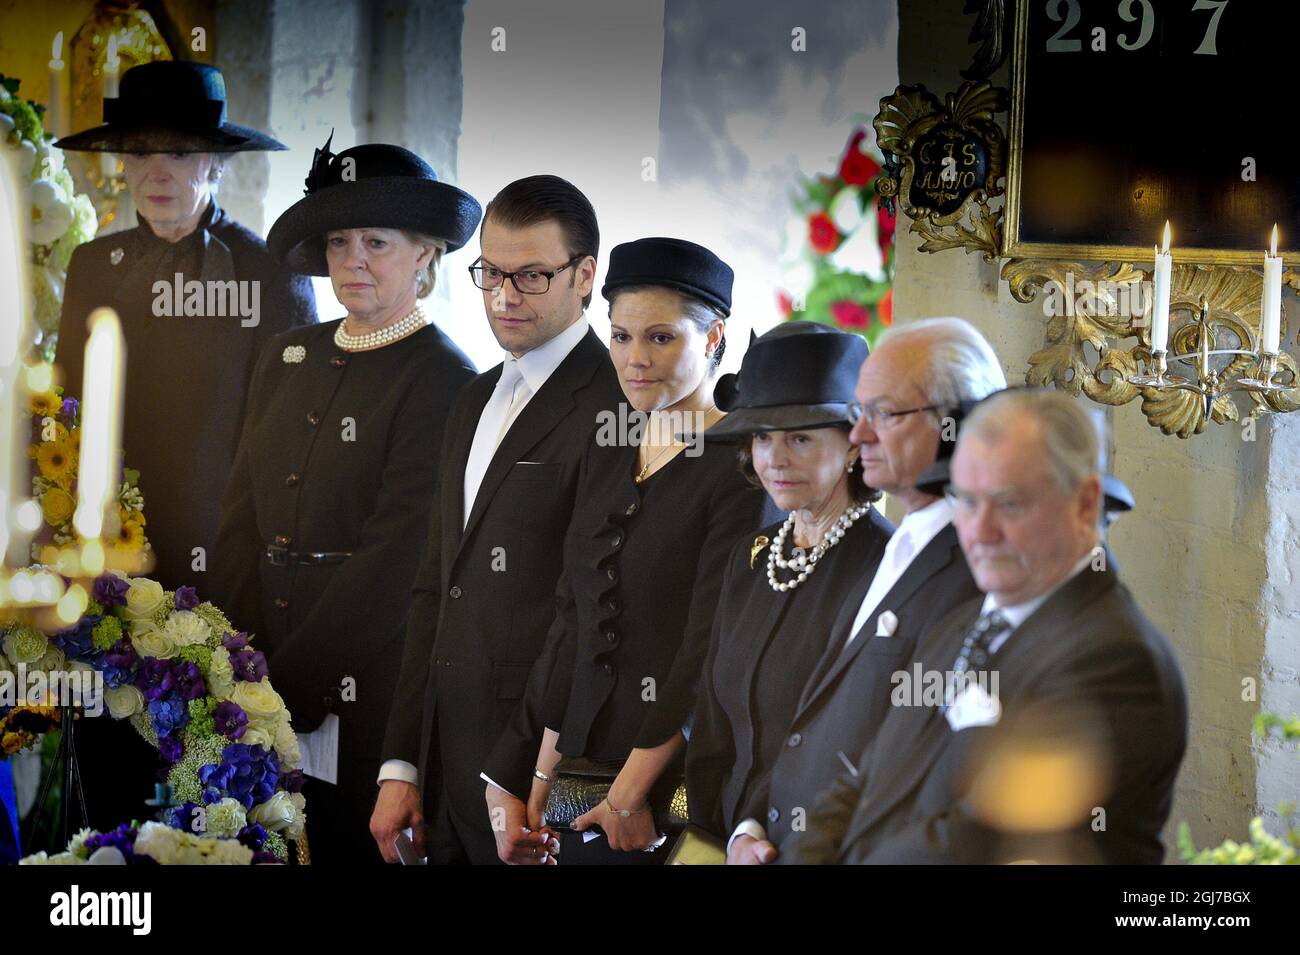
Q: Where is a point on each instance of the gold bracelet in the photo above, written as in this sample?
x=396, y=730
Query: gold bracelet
x=624, y=813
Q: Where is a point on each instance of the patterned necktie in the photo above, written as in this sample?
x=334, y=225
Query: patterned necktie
x=974, y=653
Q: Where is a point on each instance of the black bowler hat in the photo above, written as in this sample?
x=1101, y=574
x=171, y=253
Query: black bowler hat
x=795, y=377
x=169, y=106
x=935, y=479
x=375, y=186
x=676, y=263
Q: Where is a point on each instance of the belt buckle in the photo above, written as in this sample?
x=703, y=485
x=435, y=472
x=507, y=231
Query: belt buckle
x=277, y=556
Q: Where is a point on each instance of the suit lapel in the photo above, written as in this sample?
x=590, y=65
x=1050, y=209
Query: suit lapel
x=453, y=472
x=941, y=551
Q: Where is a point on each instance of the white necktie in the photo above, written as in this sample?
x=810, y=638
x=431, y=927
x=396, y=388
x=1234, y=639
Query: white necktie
x=508, y=399
x=898, y=555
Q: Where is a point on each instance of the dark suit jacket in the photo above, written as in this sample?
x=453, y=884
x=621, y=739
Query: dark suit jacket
x=187, y=376
x=1086, y=673
x=485, y=596
x=335, y=457
x=847, y=697
x=643, y=573
x=764, y=647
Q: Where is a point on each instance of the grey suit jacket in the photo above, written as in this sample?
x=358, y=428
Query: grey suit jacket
x=1086, y=676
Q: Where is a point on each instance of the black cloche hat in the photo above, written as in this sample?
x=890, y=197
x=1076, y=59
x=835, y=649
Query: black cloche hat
x=169, y=106
x=795, y=377
x=674, y=263
x=375, y=186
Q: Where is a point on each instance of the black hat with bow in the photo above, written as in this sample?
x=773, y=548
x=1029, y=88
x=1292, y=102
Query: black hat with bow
x=169, y=106
x=375, y=186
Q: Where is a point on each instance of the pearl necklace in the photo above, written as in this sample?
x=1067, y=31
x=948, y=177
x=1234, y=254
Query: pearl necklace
x=805, y=564
x=385, y=336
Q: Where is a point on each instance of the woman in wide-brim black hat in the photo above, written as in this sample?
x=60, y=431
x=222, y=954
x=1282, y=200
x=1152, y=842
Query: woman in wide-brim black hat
x=189, y=369
x=653, y=523
x=788, y=413
x=328, y=506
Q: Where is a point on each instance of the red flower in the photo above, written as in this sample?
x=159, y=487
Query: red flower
x=822, y=234
x=850, y=315
x=885, y=224
x=857, y=168
x=785, y=303
x=885, y=308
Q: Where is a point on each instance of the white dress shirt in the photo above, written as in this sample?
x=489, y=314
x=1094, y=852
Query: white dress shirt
x=1019, y=613
x=527, y=375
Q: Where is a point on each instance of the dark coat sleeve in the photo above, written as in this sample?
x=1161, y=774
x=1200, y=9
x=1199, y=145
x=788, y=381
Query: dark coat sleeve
x=819, y=843
x=78, y=300
x=364, y=598
x=734, y=508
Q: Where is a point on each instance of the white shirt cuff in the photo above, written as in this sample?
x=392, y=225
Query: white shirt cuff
x=400, y=770
x=748, y=827
x=492, y=782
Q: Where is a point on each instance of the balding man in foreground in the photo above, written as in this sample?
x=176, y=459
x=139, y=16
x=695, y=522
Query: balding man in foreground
x=1063, y=717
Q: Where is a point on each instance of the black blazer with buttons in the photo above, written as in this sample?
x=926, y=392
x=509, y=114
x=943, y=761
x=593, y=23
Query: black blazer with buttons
x=484, y=596
x=848, y=695
x=643, y=574
x=1086, y=673
x=335, y=457
x=765, y=645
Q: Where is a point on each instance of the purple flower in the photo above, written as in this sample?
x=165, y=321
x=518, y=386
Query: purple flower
x=187, y=598
x=235, y=641
x=78, y=642
x=123, y=839
x=253, y=836
x=189, y=680
x=249, y=665
x=69, y=412
x=182, y=816
x=169, y=716
x=120, y=663
x=155, y=679
x=246, y=773
x=110, y=590
x=293, y=781
x=171, y=749
x=230, y=719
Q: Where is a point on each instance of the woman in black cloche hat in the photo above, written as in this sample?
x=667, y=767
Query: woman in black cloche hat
x=329, y=502
x=186, y=374
x=654, y=521
x=784, y=588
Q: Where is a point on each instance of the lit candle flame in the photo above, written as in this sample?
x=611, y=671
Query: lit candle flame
x=56, y=49
x=1272, y=249
x=1165, y=247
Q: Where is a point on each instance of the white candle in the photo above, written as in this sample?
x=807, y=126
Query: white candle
x=101, y=423
x=1271, y=306
x=13, y=445
x=58, y=89
x=1160, y=299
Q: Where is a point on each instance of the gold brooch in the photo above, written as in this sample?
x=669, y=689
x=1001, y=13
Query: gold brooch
x=759, y=543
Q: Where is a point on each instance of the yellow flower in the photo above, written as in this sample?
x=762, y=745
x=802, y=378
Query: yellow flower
x=130, y=537
x=57, y=505
x=57, y=461
x=46, y=404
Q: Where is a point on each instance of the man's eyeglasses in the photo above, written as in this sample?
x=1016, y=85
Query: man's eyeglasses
x=526, y=281
x=1009, y=507
x=878, y=418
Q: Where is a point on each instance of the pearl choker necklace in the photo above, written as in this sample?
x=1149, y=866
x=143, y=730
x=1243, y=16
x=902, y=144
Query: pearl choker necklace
x=385, y=336
x=805, y=564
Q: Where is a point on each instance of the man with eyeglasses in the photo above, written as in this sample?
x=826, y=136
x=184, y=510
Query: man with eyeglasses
x=908, y=395
x=485, y=594
x=1063, y=720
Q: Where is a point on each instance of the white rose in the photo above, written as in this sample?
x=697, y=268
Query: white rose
x=286, y=747
x=186, y=629
x=258, y=700
x=154, y=643
x=277, y=813
x=143, y=598
x=53, y=661
x=257, y=734
x=51, y=213
x=295, y=828
x=221, y=676
x=123, y=701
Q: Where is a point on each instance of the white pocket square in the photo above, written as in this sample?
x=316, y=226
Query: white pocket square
x=886, y=624
x=974, y=706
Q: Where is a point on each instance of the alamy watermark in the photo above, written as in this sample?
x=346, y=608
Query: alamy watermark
x=211, y=298
x=628, y=427
x=24, y=687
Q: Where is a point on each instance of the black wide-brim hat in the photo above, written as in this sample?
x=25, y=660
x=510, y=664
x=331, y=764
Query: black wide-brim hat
x=674, y=263
x=375, y=186
x=796, y=377
x=169, y=106
x=935, y=479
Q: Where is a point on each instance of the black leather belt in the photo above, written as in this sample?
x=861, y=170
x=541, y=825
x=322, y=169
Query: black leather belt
x=282, y=557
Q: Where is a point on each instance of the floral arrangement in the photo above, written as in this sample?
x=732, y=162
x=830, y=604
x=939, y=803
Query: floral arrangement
x=153, y=844
x=1263, y=848
x=195, y=689
x=62, y=218
x=56, y=443
x=838, y=266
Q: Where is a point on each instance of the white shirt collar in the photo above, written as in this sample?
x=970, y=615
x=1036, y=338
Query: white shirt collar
x=536, y=366
x=1019, y=613
x=924, y=524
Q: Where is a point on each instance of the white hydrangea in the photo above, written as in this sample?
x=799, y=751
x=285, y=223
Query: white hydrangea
x=226, y=818
x=186, y=629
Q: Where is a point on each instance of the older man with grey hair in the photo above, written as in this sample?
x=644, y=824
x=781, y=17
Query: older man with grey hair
x=908, y=396
x=1059, y=719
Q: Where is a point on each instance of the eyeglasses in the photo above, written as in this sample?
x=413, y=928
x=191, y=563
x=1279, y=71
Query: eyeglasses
x=526, y=281
x=876, y=418
x=1009, y=507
